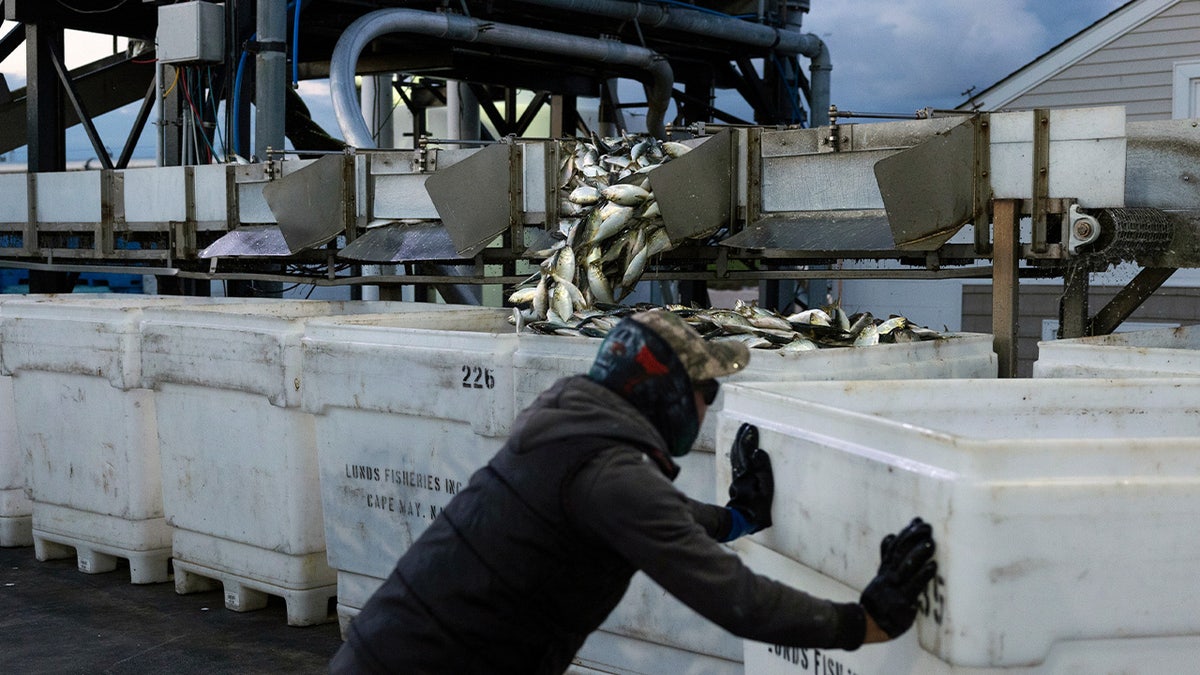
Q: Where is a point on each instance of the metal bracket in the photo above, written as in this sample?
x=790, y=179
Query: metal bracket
x=1041, y=177
x=1082, y=229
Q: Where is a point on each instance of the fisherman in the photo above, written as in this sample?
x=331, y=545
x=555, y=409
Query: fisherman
x=533, y=555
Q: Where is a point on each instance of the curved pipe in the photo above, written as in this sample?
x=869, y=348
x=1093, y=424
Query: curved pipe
x=698, y=23
x=659, y=80
x=784, y=40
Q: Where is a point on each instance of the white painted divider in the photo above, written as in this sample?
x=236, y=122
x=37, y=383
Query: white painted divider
x=1060, y=507
x=1157, y=352
x=397, y=401
x=88, y=429
x=240, y=479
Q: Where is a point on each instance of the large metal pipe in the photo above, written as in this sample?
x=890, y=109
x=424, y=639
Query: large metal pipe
x=270, y=77
x=788, y=40
x=658, y=78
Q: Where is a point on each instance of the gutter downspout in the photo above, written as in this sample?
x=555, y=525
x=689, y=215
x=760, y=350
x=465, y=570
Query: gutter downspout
x=784, y=40
x=659, y=80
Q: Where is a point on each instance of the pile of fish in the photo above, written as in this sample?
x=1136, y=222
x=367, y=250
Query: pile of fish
x=609, y=227
x=758, y=328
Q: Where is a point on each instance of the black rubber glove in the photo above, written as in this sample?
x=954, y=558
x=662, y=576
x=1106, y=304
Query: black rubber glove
x=906, y=566
x=753, y=486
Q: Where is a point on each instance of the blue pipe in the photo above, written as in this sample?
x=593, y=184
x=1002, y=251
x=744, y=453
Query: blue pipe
x=296, y=44
x=241, y=68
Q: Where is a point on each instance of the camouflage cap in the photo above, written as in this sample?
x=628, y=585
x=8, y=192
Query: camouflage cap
x=703, y=359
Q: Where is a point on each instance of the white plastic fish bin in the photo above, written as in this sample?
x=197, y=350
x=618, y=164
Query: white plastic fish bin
x=240, y=484
x=648, y=614
x=87, y=429
x=426, y=379
x=1060, y=508
x=1157, y=352
x=16, y=508
x=406, y=408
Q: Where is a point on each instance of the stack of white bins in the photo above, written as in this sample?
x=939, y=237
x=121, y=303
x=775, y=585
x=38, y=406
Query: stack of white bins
x=240, y=482
x=1157, y=352
x=88, y=429
x=392, y=453
x=1061, y=510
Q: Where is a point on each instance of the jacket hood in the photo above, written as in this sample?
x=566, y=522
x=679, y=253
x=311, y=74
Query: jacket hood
x=576, y=406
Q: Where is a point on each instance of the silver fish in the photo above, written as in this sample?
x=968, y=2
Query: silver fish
x=651, y=211
x=523, y=296
x=541, y=299
x=860, y=322
x=634, y=272
x=584, y=195
x=751, y=340
x=812, y=317
x=560, y=304
x=598, y=284
x=659, y=242
x=867, y=337
x=625, y=195
x=564, y=263
x=610, y=225
x=675, y=149
x=800, y=344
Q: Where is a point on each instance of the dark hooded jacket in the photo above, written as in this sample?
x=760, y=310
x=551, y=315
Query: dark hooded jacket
x=532, y=556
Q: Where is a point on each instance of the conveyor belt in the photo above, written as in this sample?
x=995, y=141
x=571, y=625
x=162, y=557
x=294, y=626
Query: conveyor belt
x=1129, y=233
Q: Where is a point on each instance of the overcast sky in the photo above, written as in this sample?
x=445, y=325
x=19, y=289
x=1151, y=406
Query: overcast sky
x=902, y=55
x=888, y=55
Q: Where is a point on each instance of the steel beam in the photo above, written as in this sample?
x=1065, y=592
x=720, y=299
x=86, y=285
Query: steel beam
x=1129, y=299
x=80, y=110
x=1005, y=278
x=106, y=85
x=1073, y=306
x=44, y=119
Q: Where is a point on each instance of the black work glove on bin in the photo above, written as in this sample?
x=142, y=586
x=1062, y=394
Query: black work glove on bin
x=753, y=486
x=906, y=566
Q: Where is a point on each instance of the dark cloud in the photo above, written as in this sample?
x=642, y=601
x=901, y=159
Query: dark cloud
x=903, y=55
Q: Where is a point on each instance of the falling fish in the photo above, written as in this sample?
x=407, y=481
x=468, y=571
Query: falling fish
x=625, y=195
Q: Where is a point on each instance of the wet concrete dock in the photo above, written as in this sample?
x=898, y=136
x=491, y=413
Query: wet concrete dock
x=56, y=619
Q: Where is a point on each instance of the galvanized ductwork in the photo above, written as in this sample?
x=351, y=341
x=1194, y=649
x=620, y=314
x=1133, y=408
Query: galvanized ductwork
x=785, y=40
x=658, y=78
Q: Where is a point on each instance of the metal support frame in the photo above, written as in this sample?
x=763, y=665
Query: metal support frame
x=46, y=132
x=139, y=123
x=1041, y=177
x=11, y=40
x=1073, y=306
x=982, y=197
x=564, y=118
x=1006, y=259
x=171, y=121
x=85, y=119
x=1128, y=299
